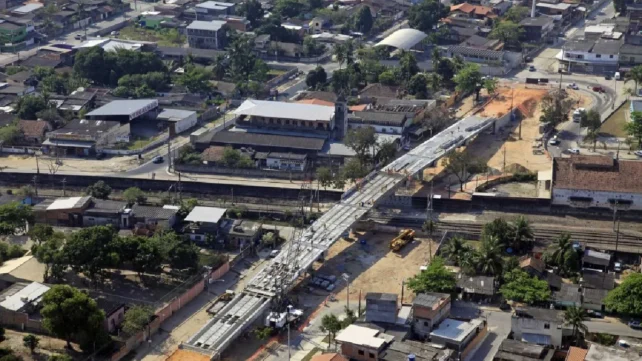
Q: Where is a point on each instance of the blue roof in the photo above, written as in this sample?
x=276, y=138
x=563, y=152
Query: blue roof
x=636, y=105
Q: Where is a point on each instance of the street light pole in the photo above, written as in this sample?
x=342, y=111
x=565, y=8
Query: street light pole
x=287, y=319
x=346, y=277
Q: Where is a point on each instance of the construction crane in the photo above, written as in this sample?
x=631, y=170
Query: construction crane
x=405, y=236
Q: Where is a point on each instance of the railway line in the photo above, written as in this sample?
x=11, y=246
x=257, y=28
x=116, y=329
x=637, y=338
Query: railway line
x=627, y=241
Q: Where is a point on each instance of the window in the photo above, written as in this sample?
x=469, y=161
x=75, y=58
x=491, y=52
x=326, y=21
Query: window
x=547, y=326
x=611, y=56
x=371, y=355
x=426, y=323
x=361, y=352
x=598, y=55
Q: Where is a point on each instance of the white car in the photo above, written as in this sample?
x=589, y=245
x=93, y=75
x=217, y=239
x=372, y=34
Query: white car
x=573, y=86
x=554, y=141
x=638, y=153
x=574, y=150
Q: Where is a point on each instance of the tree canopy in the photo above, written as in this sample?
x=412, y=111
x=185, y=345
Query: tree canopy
x=100, y=190
x=425, y=15
x=436, y=278
x=521, y=287
x=625, y=298
x=634, y=127
x=107, y=67
x=136, y=318
x=14, y=217
x=508, y=32
x=469, y=79
x=461, y=165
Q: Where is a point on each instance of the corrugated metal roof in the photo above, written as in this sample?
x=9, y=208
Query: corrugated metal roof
x=269, y=109
x=205, y=214
x=32, y=292
x=403, y=38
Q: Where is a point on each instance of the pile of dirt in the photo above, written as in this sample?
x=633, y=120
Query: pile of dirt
x=527, y=107
x=516, y=168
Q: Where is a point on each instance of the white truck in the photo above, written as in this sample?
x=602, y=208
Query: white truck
x=277, y=320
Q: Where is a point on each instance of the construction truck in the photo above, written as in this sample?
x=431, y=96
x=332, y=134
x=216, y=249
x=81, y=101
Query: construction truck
x=278, y=320
x=405, y=236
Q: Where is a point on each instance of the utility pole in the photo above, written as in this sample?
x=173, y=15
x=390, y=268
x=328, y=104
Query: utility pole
x=37, y=163
x=169, y=153
x=180, y=188
x=504, y=166
x=615, y=89
x=35, y=184
x=64, y=182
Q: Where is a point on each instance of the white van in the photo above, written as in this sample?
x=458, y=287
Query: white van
x=577, y=114
x=617, y=76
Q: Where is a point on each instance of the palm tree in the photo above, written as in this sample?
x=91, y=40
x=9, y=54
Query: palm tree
x=635, y=74
x=575, y=316
x=429, y=226
x=521, y=233
x=489, y=257
x=561, y=248
x=456, y=250
x=628, y=92
x=592, y=137
x=218, y=67
x=340, y=52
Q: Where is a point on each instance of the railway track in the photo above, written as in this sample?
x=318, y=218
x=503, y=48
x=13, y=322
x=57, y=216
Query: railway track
x=606, y=238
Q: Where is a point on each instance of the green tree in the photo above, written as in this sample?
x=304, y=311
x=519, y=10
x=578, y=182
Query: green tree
x=575, y=317
x=490, y=84
x=456, y=250
x=66, y=312
x=499, y=229
x=324, y=177
x=263, y=333
x=9, y=134
x=288, y=8
x=363, y=20
x=625, y=298
x=148, y=256
x=516, y=14
x=387, y=151
x=592, y=120
x=196, y=80
x=388, y=77
x=100, y=190
x=425, y=15
x=136, y=318
x=521, y=287
x=634, y=127
x=508, y=32
x=219, y=66
x=461, y=165
x=556, y=107
x=635, y=74
x=252, y=10
x=436, y=278
x=353, y=170
x=184, y=256
x=418, y=87
x=521, y=234
x=41, y=233
x=49, y=252
x=408, y=65
x=134, y=195
x=59, y=357
x=340, y=53
x=29, y=105
x=31, y=342
x=14, y=217
x=330, y=324
x=311, y=47
x=563, y=255
x=469, y=79
x=362, y=140
x=269, y=239
x=316, y=78
x=488, y=258
x=92, y=250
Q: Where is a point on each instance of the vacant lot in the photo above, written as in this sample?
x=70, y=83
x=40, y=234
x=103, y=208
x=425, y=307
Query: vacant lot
x=373, y=267
x=613, y=126
x=518, y=189
x=48, y=346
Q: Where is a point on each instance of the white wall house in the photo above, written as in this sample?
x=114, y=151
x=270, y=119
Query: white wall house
x=597, y=182
x=537, y=325
x=593, y=56
x=182, y=120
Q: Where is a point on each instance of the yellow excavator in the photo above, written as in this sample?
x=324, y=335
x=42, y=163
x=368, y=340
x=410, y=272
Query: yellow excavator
x=405, y=236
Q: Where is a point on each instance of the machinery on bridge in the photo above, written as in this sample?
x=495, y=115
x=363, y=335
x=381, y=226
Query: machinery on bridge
x=405, y=236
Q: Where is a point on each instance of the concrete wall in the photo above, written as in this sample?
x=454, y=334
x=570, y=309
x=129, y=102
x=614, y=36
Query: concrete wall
x=242, y=172
x=521, y=325
x=422, y=326
x=600, y=199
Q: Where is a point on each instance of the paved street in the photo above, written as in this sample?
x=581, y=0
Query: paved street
x=499, y=328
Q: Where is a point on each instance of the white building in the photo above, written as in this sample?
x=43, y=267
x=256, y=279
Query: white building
x=590, y=56
x=537, y=325
x=592, y=181
x=181, y=120
x=460, y=336
x=382, y=122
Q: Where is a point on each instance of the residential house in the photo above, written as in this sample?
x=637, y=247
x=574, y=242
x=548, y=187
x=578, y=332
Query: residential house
x=206, y=34
x=583, y=181
x=204, y=221
x=10, y=4
x=317, y=24
x=114, y=313
x=381, y=307
x=500, y=7
x=634, y=11
x=593, y=299
x=360, y=343
x=373, y=91
x=240, y=234
x=415, y=109
x=19, y=301
x=538, y=326
x=237, y=23
x=214, y=9
x=461, y=336
x=75, y=102
x=596, y=259
x=226, y=89
x=28, y=9
x=513, y=350
x=428, y=310
x=554, y=281
x=500, y=59
x=62, y=211
x=83, y=137
x=479, y=42
x=102, y=212
x=33, y=131
x=597, y=280
x=576, y=354
x=382, y=122
x=562, y=9
x=284, y=115
x=630, y=55
x=476, y=287
x=154, y=19
x=478, y=12
x=569, y=295
x=292, y=50
x=149, y=218
x=533, y=266
x=597, y=352
x=590, y=56
x=12, y=32
x=125, y=110
x=539, y=29
x=282, y=161
x=179, y=54
x=263, y=142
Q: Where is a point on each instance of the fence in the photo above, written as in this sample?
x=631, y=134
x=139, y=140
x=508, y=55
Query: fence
x=263, y=173
x=147, y=147
x=18, y=150
x=276, y=81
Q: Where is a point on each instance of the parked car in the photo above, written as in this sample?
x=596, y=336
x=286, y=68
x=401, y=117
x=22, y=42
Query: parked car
x=115, y=33
x=505, y=306
x=607, y=77
x=274, y=253
x=574, y=150
x=531, y=68
x=554, y=141
x=598, y=89
x=158, y=159
x=617, y=267
x=79, y=37
x=635, y=324
x=573, y=86
x=595, y=314
x=638, y=153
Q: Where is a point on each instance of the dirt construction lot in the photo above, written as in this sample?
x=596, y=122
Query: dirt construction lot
x=373, y=267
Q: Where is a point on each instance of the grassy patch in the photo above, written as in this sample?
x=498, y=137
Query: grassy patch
x=474, y=244
x=614, y=125
x=139, y=143
x=140, y=33
x=311, y=354
x=213, y=260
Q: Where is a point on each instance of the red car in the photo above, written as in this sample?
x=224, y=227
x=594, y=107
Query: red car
x=598, y=89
